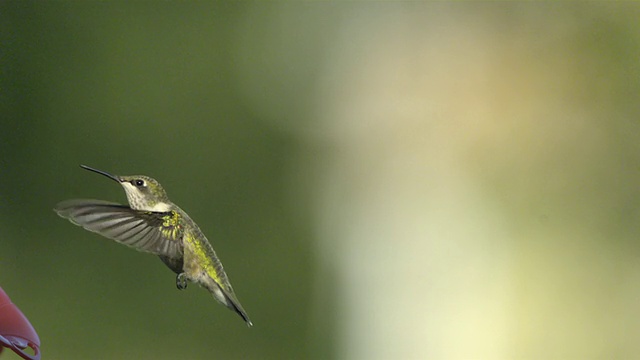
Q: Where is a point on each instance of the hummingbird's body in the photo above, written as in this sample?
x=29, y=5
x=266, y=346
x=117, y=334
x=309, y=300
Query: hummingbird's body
x=153, y=224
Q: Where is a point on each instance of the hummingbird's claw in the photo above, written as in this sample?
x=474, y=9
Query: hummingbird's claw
x=181, y=281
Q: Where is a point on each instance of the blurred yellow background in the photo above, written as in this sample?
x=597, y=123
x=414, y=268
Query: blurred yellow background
x=380, y=180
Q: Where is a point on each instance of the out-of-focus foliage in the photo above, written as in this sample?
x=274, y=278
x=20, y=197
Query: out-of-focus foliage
x=381, y=180
x=143, y=88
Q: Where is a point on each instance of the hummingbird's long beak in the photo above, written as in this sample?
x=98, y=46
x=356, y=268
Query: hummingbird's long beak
x=110, y=176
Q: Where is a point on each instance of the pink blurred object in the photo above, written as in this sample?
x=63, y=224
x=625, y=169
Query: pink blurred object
x=16, y=333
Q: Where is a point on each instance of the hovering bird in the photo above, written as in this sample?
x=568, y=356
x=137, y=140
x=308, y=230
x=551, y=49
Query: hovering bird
x=153, y=224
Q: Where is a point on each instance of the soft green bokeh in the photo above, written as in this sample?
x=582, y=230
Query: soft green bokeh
x=143, y=88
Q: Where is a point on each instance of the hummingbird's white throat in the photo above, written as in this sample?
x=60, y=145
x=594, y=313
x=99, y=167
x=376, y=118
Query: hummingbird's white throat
x=138, y=201
x=160, y=207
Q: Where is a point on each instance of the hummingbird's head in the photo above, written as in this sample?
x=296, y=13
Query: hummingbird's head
x=143, y=192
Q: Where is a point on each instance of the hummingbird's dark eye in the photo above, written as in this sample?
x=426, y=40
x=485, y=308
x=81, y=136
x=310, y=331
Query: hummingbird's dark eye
x=138, y=182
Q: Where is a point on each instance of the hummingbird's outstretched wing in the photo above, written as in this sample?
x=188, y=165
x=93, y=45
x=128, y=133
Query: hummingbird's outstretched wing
x=152, y=232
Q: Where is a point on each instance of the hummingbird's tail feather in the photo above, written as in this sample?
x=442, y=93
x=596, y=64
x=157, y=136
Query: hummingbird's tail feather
x=232, y=303
x=243, y=315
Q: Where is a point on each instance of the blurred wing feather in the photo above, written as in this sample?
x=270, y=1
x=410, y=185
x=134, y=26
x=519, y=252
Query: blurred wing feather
x=153, y=232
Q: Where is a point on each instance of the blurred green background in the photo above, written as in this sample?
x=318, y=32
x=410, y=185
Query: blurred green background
x=381, y=180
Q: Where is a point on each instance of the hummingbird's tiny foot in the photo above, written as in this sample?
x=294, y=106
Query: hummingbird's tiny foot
x=181, y=281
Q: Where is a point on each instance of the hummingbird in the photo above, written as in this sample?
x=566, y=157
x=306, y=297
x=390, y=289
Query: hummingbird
x=153, y=224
